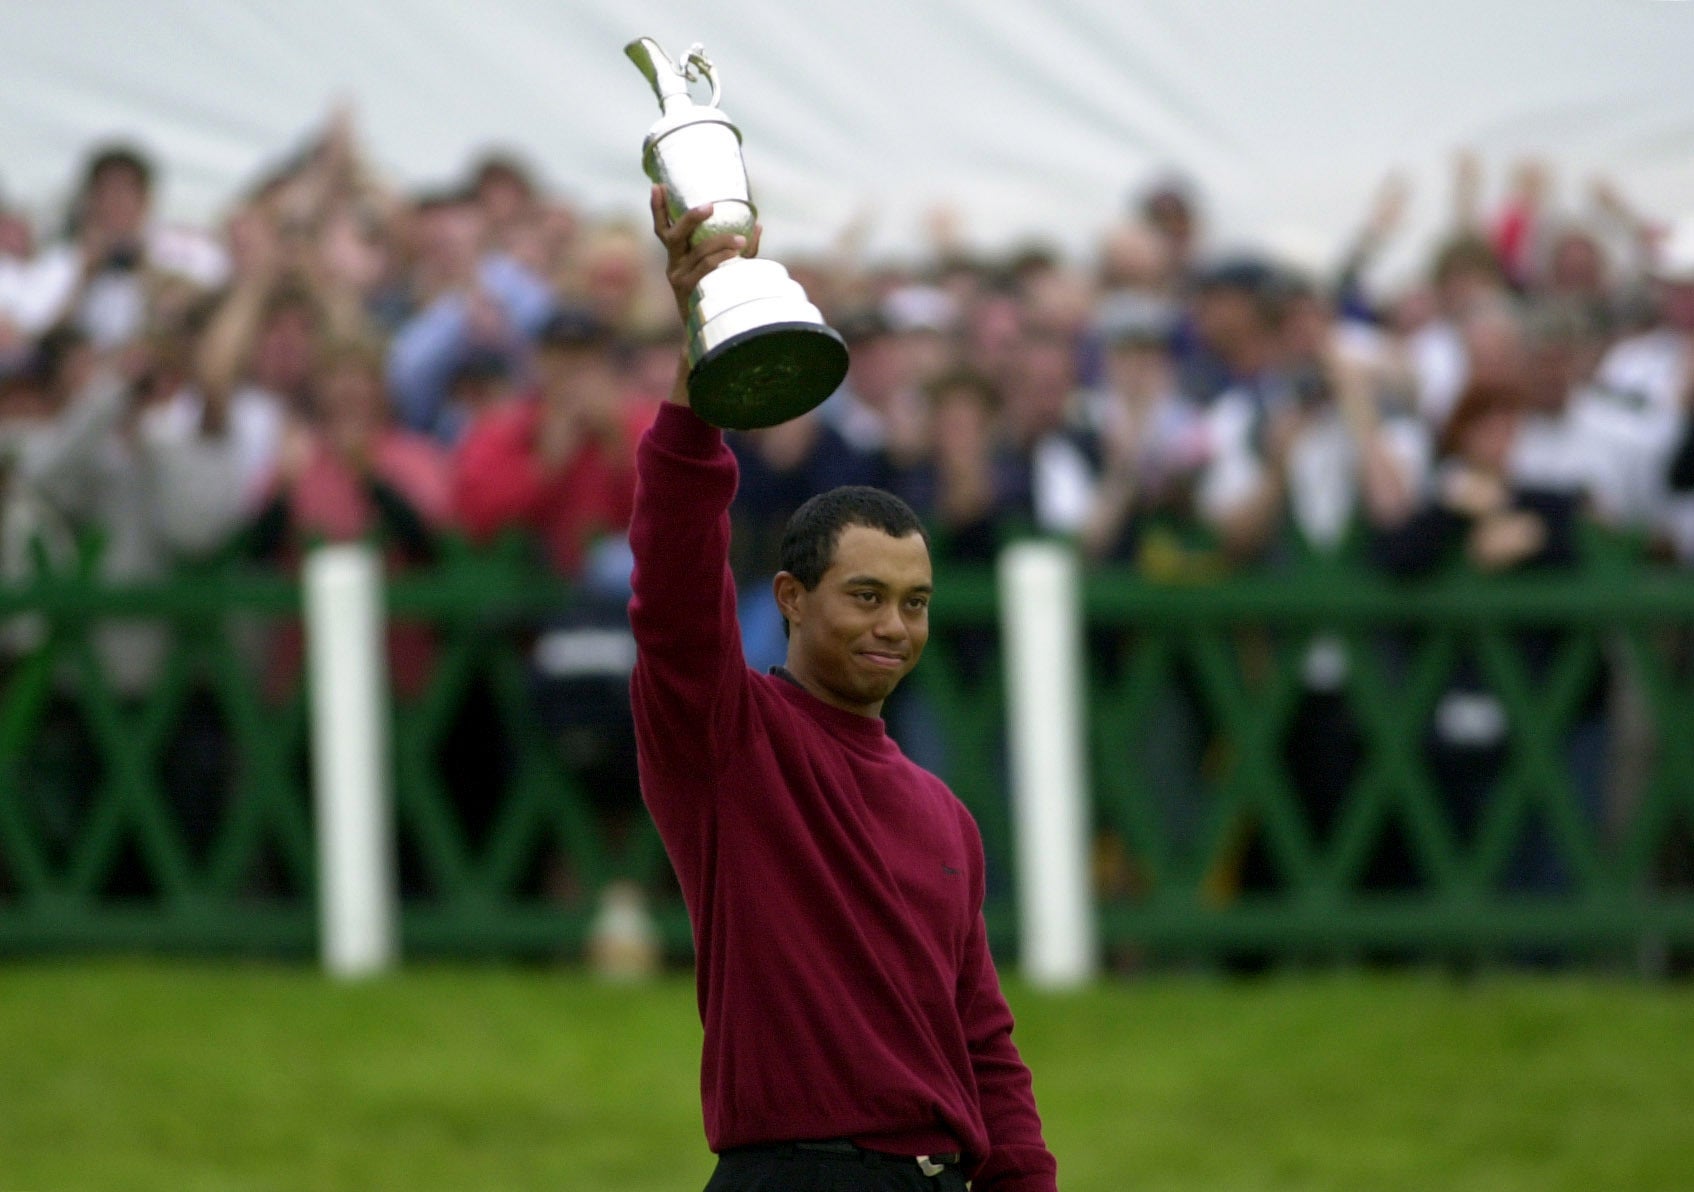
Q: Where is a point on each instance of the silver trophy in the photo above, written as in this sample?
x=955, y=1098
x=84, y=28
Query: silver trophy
x=759, y=352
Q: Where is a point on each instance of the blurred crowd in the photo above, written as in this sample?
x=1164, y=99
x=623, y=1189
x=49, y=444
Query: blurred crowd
x=341, y=360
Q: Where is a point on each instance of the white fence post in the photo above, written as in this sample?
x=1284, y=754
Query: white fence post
x=1041, y=626
x=345, y=638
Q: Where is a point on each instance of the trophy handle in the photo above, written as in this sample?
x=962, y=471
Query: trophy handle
x=695, y=65
x=670, y=80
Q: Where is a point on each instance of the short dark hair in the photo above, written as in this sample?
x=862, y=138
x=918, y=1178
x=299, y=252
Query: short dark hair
x=1464, y=253
x=53, y=351
x=118, y=156
x=808, y=541
x=501, y=163
x=573, y=327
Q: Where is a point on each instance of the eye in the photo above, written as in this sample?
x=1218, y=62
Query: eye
x=865, y=597
x=918, y=604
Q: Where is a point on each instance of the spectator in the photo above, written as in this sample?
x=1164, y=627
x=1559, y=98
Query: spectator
x=607, y=275
x=1169, y=207
x=1474, y=511
x=32, y=531
x=472, y=300
x=961, y=490
x=1051, y=434
x=507, y=199
x=925, y=320
x=257, y=358
x=993, y=324
x=482, y=382
x=1467, y=281
x=1234, y=332
x=1298, y=461
x=1554, y=447
x=113, y=461
x=872, y=424
x=1154, y=438
x=17, y=247
x=1638, y=408
x=1313, y=441
x=560, y=462
x=1136, y=260
x=115, y=257
x=100, y=458
x=346, y=472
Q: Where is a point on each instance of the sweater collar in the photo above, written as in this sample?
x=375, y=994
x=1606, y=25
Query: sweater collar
x=869, y=729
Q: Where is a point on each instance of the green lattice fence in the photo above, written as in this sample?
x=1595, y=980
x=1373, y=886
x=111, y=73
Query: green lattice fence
x=114, y=833
x=99, y=850
x=1543, y=863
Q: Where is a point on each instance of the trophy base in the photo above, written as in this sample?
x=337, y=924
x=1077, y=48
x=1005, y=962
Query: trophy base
x=767, y=375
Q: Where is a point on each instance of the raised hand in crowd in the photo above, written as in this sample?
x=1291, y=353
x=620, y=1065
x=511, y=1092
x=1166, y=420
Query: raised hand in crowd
x=1504, y=539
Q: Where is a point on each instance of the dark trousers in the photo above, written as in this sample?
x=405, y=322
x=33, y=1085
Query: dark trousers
x=790, y=1169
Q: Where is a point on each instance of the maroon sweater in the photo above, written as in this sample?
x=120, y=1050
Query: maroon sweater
x=835, y=888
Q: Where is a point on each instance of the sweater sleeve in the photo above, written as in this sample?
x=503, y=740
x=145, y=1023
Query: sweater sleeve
x=421, y=359
x=1018, y=1159
x=682, y=612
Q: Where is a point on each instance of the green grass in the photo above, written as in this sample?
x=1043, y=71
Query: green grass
x=132, y=1077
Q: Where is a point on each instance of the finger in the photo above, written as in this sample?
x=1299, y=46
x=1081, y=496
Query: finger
x=689, y=266
x=661, y=211
x=712, y=246
x=700, y=264
x=680, y=232
x=752, y=249
x=690, y=277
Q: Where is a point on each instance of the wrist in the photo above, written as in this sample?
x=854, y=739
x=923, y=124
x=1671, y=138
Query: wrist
x=679, y=388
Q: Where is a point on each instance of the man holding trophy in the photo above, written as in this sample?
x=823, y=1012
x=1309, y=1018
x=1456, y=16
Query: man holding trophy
x=855, y=1032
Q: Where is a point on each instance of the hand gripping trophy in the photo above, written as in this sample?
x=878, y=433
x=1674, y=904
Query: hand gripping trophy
x=759, y=352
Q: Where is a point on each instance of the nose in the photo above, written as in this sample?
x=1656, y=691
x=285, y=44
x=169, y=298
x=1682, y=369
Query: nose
x=890, y=626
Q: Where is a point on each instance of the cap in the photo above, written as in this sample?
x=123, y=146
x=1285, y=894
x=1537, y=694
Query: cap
x=920, y=308
x=862, y=325
x=1251, y=274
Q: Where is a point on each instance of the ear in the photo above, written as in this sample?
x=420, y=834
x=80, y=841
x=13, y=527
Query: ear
x=788, y=592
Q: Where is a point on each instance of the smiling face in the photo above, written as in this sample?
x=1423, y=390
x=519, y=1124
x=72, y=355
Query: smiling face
x=854, y=636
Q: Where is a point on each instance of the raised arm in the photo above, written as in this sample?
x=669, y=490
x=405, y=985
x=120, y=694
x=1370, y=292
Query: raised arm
x=683, y=609
x=227, y=345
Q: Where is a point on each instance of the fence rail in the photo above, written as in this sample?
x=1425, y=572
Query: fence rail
x=1266, y=769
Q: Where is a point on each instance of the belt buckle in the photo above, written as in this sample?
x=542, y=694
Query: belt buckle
x=928, y=1168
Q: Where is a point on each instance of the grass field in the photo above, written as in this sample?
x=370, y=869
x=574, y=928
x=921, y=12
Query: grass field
x=131, y=1077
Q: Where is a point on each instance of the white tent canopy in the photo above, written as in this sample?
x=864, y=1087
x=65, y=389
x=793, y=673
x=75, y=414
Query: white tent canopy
x=1034, y=118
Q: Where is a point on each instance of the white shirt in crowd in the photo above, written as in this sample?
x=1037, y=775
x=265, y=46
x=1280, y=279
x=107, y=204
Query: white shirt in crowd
x=1323, y=466
x=1628, y=424
x=34, y=293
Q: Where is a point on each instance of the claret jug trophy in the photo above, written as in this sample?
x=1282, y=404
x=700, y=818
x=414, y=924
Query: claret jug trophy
x=759, y=352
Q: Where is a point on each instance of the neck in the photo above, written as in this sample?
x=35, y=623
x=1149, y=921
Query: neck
x=807, y=683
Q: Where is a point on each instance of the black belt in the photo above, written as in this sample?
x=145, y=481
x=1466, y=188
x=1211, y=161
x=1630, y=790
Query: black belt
x=928, y=1164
